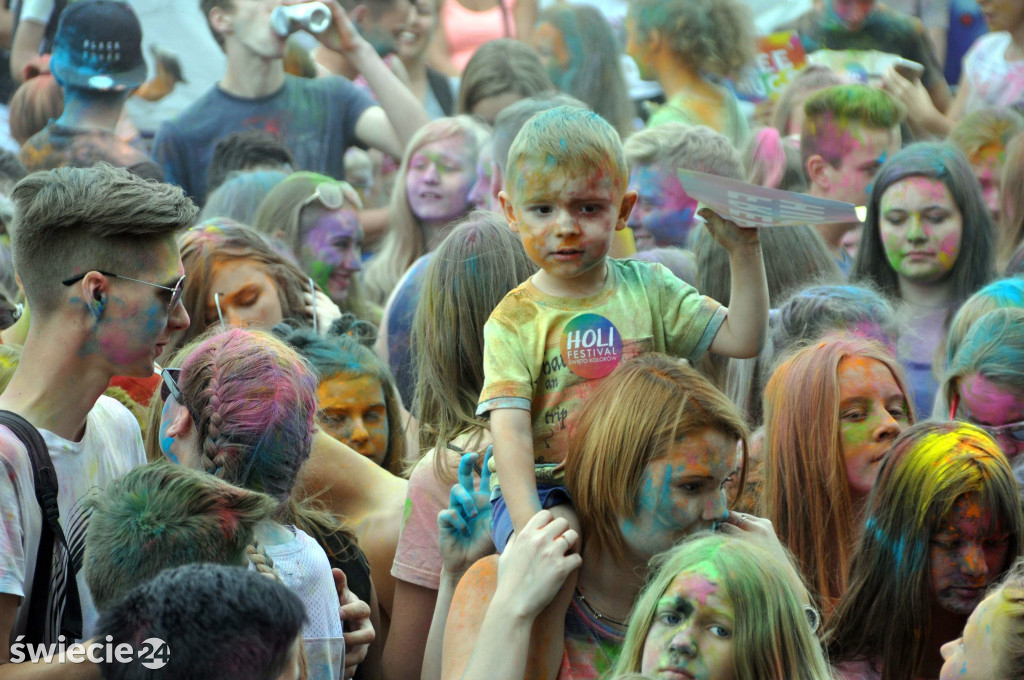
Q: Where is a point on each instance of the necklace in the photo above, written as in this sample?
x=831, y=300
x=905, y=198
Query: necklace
x=596, y=614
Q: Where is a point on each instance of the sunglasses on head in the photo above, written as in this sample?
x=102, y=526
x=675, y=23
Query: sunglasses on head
x=169, y=386
x=328, y=194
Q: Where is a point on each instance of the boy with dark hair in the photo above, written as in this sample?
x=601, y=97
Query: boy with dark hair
x=247, y=150
x=216, y=623
x=96, y=252
x=317, y=119
x=848, y=132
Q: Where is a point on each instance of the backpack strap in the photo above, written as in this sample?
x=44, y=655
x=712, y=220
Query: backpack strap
x=45, y=482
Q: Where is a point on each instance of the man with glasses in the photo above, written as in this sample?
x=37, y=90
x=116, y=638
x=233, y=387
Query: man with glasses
x=96, y=252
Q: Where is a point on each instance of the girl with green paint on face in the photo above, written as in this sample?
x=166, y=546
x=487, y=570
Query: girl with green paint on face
x=724, y=608
x=317, y=219
x=928, y=241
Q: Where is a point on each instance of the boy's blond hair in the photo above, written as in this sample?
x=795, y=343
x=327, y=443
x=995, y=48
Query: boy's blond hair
x=568, y=138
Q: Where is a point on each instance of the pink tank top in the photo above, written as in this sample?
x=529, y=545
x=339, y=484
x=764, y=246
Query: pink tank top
x=467, y=29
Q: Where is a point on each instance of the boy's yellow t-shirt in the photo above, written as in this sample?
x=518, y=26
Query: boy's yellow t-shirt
x=545, y=354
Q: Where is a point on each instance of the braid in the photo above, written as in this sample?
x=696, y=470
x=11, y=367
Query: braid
x=259, y=558
x=213, y=445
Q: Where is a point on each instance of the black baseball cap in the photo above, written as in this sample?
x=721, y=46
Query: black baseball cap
x=98, y=46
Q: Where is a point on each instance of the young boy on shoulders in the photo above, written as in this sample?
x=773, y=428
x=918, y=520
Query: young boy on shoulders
x=552, y=338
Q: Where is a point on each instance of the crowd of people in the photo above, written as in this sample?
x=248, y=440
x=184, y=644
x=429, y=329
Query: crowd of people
x=395, y=347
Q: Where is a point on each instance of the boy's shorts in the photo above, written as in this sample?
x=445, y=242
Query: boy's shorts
x=549, y=488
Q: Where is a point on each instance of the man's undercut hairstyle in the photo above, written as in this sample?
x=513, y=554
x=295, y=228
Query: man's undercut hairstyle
x=246, y=150
x=217, y=622
x=678, y=146
x=512, y=118
x=71, y=221
x=570, y=140
x=164, y=515
x=830, y=113
x=205, y=6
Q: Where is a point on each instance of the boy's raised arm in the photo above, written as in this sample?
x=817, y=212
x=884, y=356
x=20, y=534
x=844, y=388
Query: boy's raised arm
x=745, y=328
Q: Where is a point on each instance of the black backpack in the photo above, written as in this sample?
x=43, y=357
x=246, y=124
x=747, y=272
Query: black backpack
x=45, y=482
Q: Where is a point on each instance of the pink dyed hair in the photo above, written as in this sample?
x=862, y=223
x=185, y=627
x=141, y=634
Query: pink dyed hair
x=256, y=400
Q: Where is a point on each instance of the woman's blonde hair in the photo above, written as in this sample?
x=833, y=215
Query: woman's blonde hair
x=633, y=417
x=773, y=639
x=405, y=241
x=806, y=490
x=1009, y=628
x=476, y=265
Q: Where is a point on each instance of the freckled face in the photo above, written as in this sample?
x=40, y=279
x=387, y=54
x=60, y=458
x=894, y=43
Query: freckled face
x=990, y=406
x=973, y=656
x=248, y=296
x=663, y=214
x=354, y=413
x=921, y=229
x=691, y=635
x=681, y=493
x=331, y=251
x=439, y=179
x=566, y=222
x=987, y=166
x=872, y=411
x=967, y=552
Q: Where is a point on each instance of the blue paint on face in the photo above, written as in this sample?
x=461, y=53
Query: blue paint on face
x=165, y=441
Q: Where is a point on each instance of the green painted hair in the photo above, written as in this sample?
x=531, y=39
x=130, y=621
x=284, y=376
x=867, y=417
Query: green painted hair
x=773, y=637
x=163, y=515
x=831, y=111
x=568, y=139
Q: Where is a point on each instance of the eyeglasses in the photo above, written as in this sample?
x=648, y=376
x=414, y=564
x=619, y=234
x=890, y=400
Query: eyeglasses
x=1014, y=431
x=328, y=194
x=175, y=291
x=170, y=388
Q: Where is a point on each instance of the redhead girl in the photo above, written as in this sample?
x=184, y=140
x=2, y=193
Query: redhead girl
x=832, y=409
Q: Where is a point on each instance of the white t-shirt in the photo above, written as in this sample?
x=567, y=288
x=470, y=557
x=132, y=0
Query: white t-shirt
x=111, y=446
x=305, y=569
x=993, y=80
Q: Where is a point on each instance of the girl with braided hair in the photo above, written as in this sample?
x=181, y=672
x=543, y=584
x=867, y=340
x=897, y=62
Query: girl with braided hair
x=242, y=407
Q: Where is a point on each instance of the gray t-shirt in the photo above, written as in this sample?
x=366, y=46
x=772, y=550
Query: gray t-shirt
x=316, y=120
